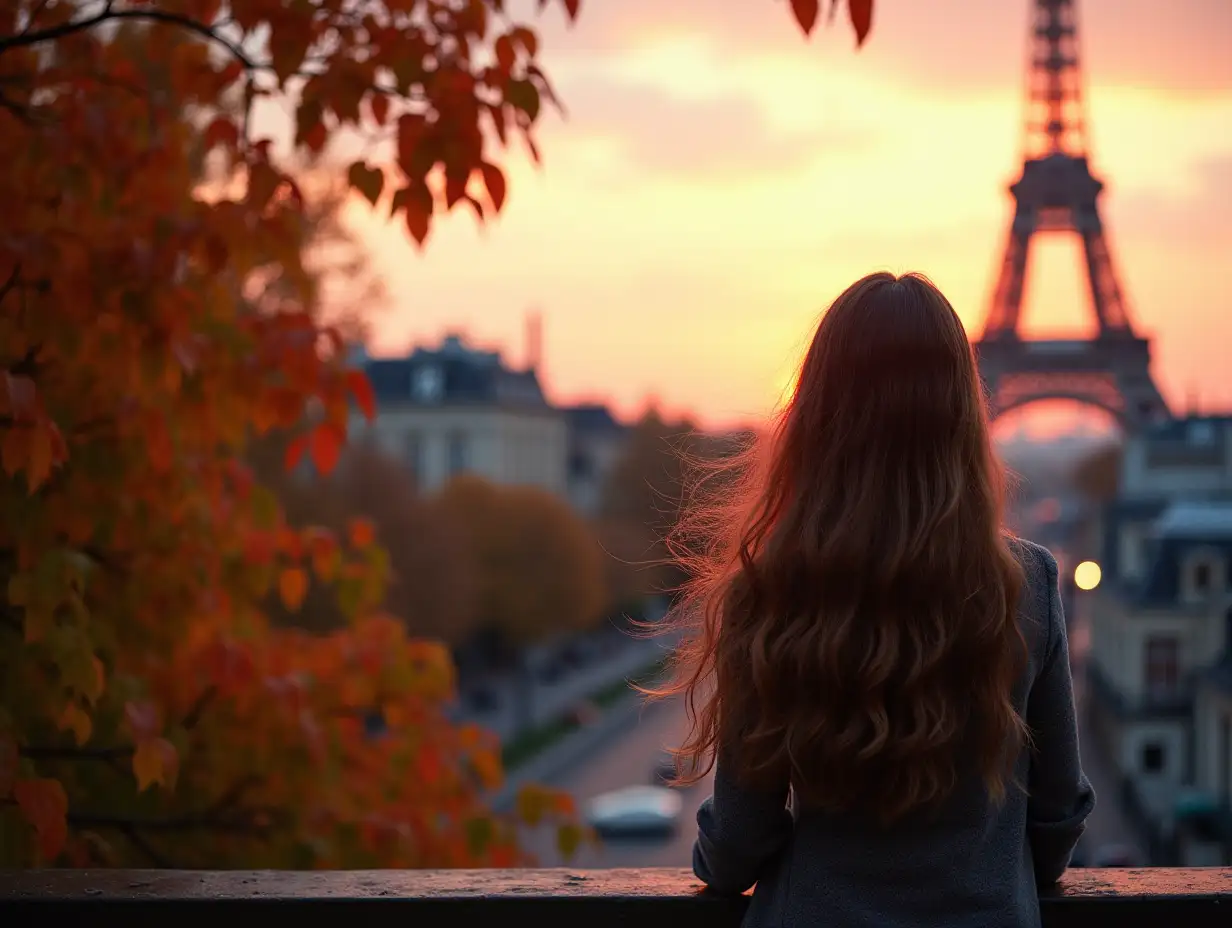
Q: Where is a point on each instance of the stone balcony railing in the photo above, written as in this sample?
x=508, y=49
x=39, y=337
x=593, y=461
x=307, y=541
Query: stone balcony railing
x=1186, y=898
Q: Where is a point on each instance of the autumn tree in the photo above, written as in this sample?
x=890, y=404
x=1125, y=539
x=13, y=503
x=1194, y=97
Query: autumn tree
x=537, y=566
x=430, y=582
x=150, y=712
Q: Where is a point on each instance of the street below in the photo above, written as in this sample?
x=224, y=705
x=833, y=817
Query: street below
x=629, y=760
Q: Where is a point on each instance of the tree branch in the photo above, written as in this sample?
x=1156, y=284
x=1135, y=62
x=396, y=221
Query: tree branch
x=51, y=34
x=144, y=846
x=206, y=822
x=11, y=282
x=194, y=713
x=34, y=15
x=73, y=753
x=120, y=751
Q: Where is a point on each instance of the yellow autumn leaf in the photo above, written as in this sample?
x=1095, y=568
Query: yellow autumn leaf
x=155, y=761
x=531, y=803
x=568, y=839
x=75, y=719
x=292, y=587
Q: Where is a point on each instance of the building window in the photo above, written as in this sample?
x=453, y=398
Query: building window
x=1163, y=665
x=459, y=457
x=581, y=466
x=1153, y=758
x=1202, y=577
x=415, y=453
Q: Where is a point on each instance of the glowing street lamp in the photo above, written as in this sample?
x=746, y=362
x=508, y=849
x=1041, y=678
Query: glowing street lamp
x=1087, y=575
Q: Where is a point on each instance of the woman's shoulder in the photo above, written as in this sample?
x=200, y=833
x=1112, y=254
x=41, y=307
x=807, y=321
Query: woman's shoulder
x=1037, y=561
x=1040, y=573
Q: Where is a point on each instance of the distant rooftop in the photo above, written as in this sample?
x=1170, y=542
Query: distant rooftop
x=1196, y=520
x=592, y=417
x=1191, y=430
x=453, y=374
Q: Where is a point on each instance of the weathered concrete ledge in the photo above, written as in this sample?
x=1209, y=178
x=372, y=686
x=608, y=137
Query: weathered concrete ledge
x=652, y=898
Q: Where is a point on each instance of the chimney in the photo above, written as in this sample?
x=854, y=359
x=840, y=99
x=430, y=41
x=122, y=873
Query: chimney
x=1191, y=401
x=534, y=341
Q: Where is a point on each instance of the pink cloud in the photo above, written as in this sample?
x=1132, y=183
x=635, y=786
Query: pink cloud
x=720, y=138
x=956, y=45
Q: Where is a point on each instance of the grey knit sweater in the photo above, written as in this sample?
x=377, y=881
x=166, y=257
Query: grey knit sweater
x=975, y=864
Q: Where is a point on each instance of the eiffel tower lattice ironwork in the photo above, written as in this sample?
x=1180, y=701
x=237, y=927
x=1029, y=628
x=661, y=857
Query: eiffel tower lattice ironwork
x=1058, y=193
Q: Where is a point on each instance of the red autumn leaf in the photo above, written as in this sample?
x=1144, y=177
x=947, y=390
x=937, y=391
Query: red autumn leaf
x=44, y=804
x=367, y=180
x=379, y=104
x=316, y=137
x=494, y=180
x=222, y=131
x=806, y=13
x=506, y=55
x=861, y=13
x=419, y=216
x=325, y=446
x=295, y=451
x=362, y=533
x=18, y=397
x=361, y=388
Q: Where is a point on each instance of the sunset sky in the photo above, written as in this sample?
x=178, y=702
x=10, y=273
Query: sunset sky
x=718, y=179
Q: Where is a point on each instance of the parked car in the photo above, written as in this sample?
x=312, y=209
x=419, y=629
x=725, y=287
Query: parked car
x=635, y=812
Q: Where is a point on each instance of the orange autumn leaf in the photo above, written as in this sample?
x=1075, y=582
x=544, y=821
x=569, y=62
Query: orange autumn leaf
x=76, y=720
x=362, y=533
x=44, y=805
x=292, y=587
x=155, y=761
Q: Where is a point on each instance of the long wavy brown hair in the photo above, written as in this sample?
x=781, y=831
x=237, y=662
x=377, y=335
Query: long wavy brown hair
x=850, y=618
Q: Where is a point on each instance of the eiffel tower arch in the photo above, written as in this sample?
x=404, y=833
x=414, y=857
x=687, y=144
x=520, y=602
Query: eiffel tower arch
x=1058, y=194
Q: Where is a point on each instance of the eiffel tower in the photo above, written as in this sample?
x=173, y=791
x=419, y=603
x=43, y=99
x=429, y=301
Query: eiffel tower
x=1058, y=193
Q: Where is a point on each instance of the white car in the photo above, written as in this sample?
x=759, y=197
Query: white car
x=635, y=811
